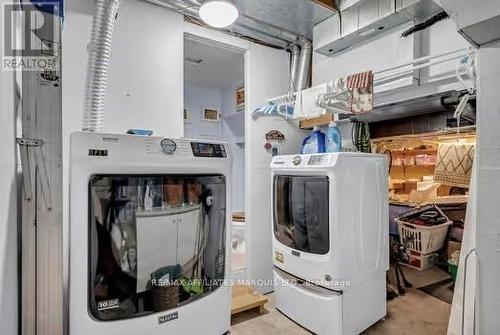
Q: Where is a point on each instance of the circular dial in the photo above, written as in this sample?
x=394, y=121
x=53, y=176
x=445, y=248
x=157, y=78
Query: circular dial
x=168, y=146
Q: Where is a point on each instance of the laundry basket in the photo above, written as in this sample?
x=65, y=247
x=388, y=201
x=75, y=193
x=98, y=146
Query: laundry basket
x=165, y=297
x=420, y=261
x=424, y=239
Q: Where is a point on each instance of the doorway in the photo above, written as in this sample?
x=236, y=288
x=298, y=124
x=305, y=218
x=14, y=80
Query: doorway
x=214, y=110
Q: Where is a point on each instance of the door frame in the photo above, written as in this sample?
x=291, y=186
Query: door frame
x=235, y=44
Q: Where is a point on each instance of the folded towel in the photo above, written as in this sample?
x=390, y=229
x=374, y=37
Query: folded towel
x=305, y=102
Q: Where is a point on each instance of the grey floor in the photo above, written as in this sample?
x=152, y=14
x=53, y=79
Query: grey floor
x=415, y=313
x=412, y=314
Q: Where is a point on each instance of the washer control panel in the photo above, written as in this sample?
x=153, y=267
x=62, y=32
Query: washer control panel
x=187, y=147
x=213, y=150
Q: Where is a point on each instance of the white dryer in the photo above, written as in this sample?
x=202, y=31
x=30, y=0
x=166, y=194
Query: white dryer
x=149, y=235
x=330, y=243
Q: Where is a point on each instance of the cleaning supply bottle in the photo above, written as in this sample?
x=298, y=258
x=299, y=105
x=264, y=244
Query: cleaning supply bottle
x=314, y=143
x=333, y=139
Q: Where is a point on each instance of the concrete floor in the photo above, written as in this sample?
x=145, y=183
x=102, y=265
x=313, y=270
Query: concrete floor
x=412, y=314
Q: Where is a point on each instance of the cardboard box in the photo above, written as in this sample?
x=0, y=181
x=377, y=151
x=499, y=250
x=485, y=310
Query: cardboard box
x=452, y=246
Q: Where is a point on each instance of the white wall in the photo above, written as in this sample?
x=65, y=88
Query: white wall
x=8, y=206
x=196, y=99
x=145, y=88
x=442, y=37
x=488, y=184
x=266, y=76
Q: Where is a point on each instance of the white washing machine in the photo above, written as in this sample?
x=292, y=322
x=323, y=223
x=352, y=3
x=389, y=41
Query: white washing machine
x=149, y=238
x=330, y=243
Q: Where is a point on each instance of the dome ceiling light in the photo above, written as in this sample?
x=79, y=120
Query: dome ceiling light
x=218, y=13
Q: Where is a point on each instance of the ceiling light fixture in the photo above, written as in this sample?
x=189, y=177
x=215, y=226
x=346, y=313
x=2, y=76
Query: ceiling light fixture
x=218, y=13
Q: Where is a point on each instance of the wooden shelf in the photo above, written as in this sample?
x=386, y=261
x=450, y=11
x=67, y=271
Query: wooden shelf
x=414, y=166
x=323, y=120
x=414, y=152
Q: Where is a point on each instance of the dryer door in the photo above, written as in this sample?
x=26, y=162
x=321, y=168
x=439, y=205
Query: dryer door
x=301, y=212
x=155, y=242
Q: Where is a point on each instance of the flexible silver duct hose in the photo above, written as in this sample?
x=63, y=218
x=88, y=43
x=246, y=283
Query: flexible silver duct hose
x=105, y=12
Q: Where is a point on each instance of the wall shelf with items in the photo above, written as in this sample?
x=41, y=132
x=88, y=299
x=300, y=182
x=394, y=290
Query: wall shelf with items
x=414, y=161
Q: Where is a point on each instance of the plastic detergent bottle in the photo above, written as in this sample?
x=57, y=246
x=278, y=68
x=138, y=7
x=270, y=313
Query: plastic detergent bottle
x=314, y=143
x=333, y=139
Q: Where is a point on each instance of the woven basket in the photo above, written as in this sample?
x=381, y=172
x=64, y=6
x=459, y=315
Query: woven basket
x=165, y=297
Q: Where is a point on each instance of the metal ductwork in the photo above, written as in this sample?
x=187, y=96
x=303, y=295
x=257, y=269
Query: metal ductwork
x=477, y=21
x=299, y=46
x=361, y=20
x=294, y=64
x=304, y=65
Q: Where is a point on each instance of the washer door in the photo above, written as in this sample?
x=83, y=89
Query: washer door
x=155, y=242
x=301, y=212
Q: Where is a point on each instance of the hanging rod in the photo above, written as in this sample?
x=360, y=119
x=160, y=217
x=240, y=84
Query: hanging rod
x=418, y=64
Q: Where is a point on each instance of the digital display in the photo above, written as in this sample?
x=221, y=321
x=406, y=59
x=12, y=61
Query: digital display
x=208, y=150
x=98, y=152
x=317, y=160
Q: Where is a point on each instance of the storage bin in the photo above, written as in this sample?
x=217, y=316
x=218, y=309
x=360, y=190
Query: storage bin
x=453, y=270
x=425, y=160
x=423, y=239
x=165, y=297
x=419, y=261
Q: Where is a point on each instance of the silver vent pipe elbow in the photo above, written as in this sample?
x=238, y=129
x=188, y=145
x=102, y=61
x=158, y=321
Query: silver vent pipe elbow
x=303, y=75
x=294, y=64
x=99, y=52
